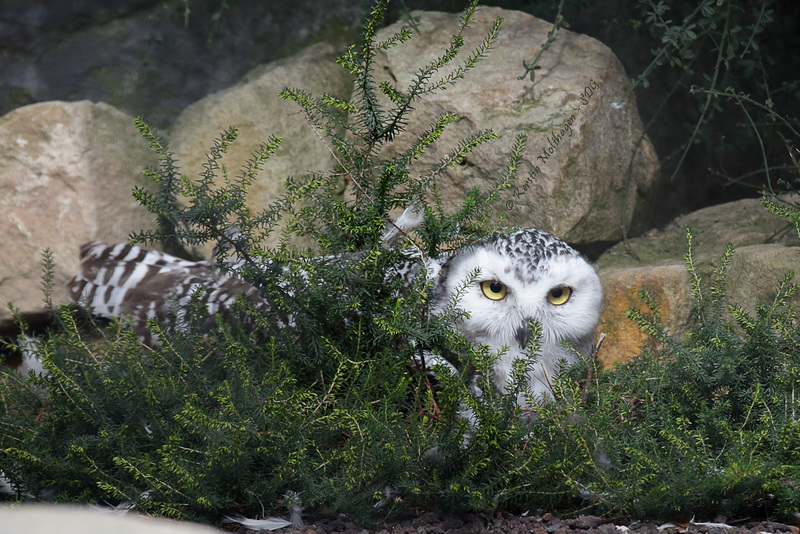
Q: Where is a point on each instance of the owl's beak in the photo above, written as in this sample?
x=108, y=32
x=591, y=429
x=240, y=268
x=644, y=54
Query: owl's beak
x=523, y=334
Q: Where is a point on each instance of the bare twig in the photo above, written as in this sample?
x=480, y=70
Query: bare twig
x=592, y=362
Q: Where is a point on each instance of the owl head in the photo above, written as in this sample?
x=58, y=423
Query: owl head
x=523, y=277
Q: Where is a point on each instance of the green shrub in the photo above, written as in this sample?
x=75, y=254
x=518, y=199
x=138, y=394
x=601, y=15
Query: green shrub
x=336, y=409
x=698, y=426
x=339, y=411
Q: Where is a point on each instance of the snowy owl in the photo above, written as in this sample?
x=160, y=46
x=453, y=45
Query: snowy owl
x=527, y=276
x=512, y=279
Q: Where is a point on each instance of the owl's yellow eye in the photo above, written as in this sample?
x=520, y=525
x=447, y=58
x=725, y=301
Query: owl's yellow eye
x=493, y=289
x=559, y=295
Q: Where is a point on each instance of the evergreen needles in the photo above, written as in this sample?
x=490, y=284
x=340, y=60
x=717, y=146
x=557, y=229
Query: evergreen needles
x=706, y=424
x=323, y=395
x=323, y=402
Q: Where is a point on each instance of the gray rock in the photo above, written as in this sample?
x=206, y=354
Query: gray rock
x=574, y=181
x=765, y=251
x=743, y=222
x=253, y=106
x=66, y=175
x=586, y=522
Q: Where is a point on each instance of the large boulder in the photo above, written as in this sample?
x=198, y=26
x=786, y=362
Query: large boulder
x=766, y=248
x=578, y=180
x=588, y=167
x=255, y=109
x=743, y=222
x=66, y=175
